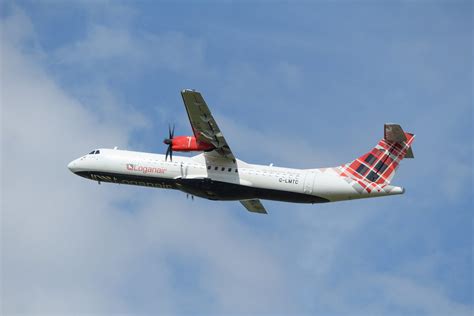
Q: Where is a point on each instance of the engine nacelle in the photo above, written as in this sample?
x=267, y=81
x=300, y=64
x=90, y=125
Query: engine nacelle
x=189, y=143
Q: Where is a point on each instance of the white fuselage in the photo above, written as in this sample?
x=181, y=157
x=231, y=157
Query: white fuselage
x=220, y=179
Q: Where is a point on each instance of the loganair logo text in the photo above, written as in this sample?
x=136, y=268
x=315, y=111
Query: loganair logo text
x=145, y=169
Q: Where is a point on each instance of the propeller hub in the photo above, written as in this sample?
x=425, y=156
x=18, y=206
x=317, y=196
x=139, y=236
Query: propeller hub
x=167, y=141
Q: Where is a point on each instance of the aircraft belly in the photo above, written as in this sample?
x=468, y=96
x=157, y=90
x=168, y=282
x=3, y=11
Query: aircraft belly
x=211, y=189
x=120, y=178
x=219, y=190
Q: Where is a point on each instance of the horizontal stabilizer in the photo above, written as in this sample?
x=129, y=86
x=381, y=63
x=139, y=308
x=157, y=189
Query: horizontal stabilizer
x=254, y=206
x=394, y=133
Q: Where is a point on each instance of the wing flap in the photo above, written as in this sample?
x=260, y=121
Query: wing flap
x=254, y=206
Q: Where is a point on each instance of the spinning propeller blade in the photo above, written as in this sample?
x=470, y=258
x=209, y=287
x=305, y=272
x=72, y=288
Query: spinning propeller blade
x=169, y=141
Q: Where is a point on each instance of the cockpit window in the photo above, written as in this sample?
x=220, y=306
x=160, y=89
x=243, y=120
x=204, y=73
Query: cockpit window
x=92, y=152
x=97, y=152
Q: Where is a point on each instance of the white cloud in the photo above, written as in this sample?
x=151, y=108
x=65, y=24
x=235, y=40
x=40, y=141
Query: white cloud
x=17, y=27
x=384, y=294
x=48, y=224
x=101, y=44
x=67, y=249
x=106, y=46
x=410, y=295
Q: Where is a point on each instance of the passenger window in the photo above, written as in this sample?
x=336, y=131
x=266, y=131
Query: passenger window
x=216, y=168
x=223, y=168
x=235, y=169
x=209, y=167
x=230, y=169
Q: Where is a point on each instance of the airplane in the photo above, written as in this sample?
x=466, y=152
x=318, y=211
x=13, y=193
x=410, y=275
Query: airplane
x=216, y=174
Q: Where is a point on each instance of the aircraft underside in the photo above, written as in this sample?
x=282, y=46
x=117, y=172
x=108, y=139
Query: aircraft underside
x=205, y=188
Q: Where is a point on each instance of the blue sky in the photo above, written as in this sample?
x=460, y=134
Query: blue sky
x=304, y=84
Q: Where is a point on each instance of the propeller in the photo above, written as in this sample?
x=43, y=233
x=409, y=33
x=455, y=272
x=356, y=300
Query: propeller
x=169, y=141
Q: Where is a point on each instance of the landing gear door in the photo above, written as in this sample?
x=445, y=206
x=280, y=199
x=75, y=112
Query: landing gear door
x=308, y=183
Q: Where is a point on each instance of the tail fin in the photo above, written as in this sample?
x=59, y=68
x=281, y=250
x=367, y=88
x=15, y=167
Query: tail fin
x=378, y=166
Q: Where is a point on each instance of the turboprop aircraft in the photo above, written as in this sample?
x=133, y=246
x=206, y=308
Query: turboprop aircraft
x=216, y=174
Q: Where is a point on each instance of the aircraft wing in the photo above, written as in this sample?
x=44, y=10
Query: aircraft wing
x=254, y=206
x=204, y=125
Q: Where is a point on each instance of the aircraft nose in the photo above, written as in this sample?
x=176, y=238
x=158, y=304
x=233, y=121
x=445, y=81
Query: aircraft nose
x=72, y=166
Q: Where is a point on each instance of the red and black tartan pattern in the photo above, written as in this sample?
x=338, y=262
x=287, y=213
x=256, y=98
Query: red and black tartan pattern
x=375, y=169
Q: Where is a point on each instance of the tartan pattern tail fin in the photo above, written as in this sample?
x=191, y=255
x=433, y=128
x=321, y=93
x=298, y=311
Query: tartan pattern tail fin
x=378, y=166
